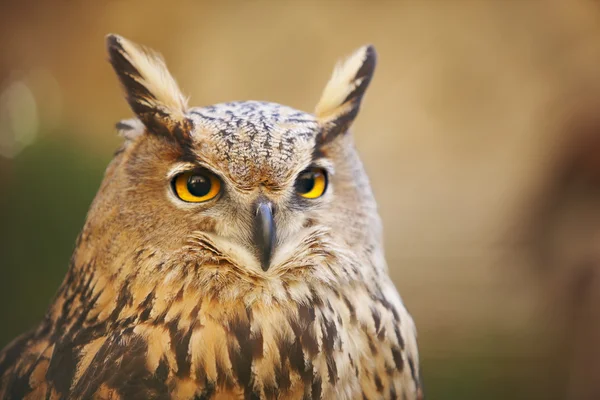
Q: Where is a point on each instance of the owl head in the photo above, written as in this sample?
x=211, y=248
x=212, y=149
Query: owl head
x=247, y=192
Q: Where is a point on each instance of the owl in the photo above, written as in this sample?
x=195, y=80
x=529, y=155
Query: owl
x=233, y=251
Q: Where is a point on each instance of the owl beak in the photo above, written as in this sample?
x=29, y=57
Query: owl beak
x=264, y=233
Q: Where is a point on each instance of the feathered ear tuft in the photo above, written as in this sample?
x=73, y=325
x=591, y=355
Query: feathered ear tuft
x=341, y=98
x=152, y=93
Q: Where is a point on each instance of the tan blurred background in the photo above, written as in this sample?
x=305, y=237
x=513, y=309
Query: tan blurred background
x=480, y=132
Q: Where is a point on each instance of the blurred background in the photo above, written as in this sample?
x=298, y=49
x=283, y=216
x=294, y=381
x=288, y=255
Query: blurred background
x=480, y=132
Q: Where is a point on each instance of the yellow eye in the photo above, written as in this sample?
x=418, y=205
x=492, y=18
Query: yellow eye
x=197, y=186
x=311, y=183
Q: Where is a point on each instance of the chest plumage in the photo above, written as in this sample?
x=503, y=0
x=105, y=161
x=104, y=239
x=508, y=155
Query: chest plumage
x=233, y=251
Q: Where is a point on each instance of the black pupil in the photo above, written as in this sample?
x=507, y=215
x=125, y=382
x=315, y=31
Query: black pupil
x=199, y=185
x=305, y=182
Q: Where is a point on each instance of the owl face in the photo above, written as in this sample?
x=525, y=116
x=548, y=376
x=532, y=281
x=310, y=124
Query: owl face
x=253, y=180
x=265, y=178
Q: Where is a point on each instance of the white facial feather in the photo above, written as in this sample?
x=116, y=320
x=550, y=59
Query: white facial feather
x=129, y=129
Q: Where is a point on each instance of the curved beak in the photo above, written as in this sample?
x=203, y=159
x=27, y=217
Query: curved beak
x=264, y=233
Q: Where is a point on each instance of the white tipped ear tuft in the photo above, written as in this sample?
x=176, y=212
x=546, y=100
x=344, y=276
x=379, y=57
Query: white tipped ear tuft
x=348, y=75
x=342, y=95
x=151, y=91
